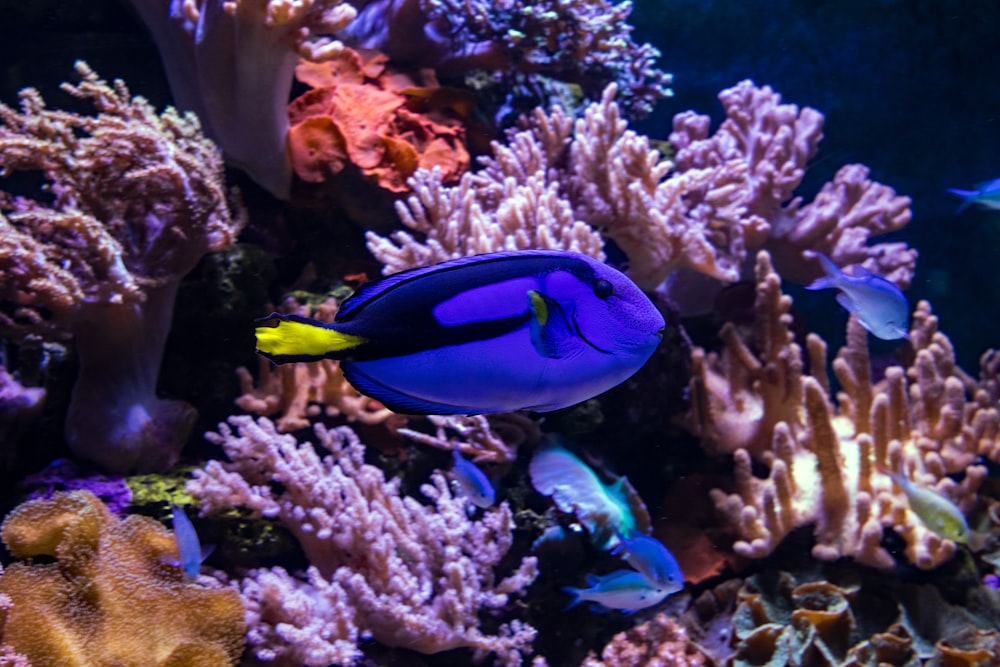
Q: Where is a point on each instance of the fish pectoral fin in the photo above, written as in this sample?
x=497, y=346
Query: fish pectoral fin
x=552, y=334
x=848, y=304
x=286, y=338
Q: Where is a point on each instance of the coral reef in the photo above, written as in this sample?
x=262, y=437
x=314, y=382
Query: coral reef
x=557, y=182
x=519, y=44
x=65, y=475
x=780, y=620
x=135, y=200
x=9, y=657
x=762, y=149
x=232, y=63
x=382, y=565
x=105, y=588
x=659, y=641
x=486, y=439
x=826, y=463
x=362, y=112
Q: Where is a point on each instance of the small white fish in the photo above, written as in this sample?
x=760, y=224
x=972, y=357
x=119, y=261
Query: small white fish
x=937, y=512
x=879, y=304
x=473, y=482
x=986, y=194
x=622, y=590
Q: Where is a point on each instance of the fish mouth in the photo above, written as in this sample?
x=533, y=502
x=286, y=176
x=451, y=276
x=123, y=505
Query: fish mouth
x=576, y=327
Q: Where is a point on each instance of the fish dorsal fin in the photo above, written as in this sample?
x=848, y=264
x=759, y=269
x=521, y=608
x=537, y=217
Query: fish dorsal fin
x=376, y=288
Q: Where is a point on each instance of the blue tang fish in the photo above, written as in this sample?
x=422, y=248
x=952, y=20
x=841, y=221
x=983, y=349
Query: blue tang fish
x=189, y=549
x=986, y=194
x=624, y=590
x=879, y=304
x=473, y=482
x=528, y=330
x=651, y=559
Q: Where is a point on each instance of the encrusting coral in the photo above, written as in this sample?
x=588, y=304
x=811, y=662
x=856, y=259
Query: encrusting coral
x=826, y=462
x=565, y=183
x=382, y=565
x=859, y=623
x=108, y=597
x=134, y=200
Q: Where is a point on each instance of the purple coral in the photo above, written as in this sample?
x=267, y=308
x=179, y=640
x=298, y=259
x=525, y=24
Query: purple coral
x=134, y=200
x=383, y=565
x=584, y=42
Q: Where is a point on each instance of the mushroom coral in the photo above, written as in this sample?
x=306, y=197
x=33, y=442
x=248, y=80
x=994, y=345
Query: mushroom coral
x=108, y=598
x=383, y=122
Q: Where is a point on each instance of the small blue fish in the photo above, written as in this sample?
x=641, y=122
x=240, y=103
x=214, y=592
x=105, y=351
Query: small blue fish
x=473, y=482
x=879, y=304
x=652, y=560
x=189, y=549
x=528, y=330
x=986, y=194
x=624, y=590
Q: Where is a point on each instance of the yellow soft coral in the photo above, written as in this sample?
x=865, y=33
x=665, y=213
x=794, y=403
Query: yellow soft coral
x=108, y=598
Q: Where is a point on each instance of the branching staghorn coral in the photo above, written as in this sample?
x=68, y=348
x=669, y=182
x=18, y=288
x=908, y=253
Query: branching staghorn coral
x=382, y=565
x=134, y=199
x=825, y=461
x=570, y=183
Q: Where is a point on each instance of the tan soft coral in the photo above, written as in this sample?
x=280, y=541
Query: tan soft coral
x=384, y=123
x=107, y=588
x=825, y=460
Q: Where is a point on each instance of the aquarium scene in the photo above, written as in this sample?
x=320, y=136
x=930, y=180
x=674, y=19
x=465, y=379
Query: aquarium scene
x=499, y=333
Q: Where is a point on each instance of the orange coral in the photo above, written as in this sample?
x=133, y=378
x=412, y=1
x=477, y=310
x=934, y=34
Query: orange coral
x=380, y=120
x=107, y=589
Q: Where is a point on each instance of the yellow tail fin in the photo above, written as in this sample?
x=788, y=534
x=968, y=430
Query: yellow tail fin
x=284, y=338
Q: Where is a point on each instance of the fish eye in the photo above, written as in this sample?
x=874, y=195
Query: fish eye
x=603, y=289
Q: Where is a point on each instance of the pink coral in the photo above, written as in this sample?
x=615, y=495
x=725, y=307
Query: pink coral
x=659, y=642
x=136, y=200
x=771, y=144
x=415, y=575
x=569, y=184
